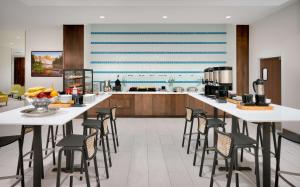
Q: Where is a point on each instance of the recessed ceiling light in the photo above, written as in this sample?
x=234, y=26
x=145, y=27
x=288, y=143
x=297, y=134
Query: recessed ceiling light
x=228, y=17
x=101, y=17
x=165, y=17
x=18, y=37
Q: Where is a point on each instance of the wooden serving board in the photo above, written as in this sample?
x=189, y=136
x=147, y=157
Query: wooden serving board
x=60, y=105
x=233, y=101
x=243, y=107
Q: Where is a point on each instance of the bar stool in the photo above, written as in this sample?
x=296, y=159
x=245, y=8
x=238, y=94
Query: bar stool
x=227, y=146
x=87, y=145
x=290, y=136
x=259, y=137
x=25, y=129
x=204, y=125
x=103, y=126
x=191, y=114
x=7, y=140
x=112, y=114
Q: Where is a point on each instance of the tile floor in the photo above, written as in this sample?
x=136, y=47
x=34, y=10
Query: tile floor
x=150, y=155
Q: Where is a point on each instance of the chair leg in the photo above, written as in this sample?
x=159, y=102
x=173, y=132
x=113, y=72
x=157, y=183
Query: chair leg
x=104, y=157
x=274, y=137
x=22, y=143
x=196, y=148
x=108, y=150
x=184, y=132
x=31, y=155
x=278, y=161
x=72, y=168
x=232, y=162
x=243, y=132
x=86, y=169
x=203, y=154
x=116, y=132
x=190, y=137
x=257, y=167
x=236, y=167
x=20, y=165
x=113, y=135
x=213, y=170
x=96, y=171
x=53, y=144
x=59, y=168
x=48, y=140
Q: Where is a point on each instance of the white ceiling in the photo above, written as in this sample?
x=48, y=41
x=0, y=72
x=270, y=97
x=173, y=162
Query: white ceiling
x=31, y=13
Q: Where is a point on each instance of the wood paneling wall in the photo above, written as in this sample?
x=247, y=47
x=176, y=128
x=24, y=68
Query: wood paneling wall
x=242, y=59
x=73, y=46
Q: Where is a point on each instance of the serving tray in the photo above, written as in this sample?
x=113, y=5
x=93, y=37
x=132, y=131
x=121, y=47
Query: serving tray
x=32, y=112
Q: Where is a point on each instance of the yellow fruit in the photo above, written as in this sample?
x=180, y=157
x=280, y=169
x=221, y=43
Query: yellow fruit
x=35, y=89
x=54, y=93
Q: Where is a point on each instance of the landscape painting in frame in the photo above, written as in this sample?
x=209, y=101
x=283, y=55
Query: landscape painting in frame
x=46, y=63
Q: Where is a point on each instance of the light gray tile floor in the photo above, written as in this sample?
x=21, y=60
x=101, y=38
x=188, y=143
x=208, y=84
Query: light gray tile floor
x=150, y=155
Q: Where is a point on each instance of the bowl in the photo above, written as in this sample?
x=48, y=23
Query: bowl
x=65, y=98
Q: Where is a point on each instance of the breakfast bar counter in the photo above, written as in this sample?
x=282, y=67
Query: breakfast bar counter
x=151, y=104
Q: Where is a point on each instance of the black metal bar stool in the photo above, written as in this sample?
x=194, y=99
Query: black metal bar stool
x=7, y=140
x=204, y=125
x=227, y=146
x=191, y=114
x=112, y=114
x=259, y=137
x=103, y=126
x=290, y=136
x=52, y=137
x=87, y=145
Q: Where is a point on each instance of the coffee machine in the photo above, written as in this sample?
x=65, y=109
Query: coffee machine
x=208, y=81
x=259, y=89
x=224, y=83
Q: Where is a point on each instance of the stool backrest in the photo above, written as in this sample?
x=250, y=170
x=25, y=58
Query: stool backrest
x=202, y=123
x=224, y=143
x=113, y=112
x=189, y=114
x=91, y=145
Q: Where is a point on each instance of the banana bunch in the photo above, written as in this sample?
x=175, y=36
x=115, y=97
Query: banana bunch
x=34, y=91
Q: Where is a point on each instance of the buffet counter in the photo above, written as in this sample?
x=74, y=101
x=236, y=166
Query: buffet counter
x=151, y=104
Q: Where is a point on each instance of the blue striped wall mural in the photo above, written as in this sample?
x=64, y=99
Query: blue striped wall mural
x=155, y=54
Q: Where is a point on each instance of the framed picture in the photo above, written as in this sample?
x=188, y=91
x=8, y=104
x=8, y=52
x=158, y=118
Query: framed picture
x=46, y=63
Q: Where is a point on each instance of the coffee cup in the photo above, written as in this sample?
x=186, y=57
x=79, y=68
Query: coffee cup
x=247, y=98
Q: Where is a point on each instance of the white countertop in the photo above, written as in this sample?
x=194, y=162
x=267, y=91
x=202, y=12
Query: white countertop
x=154, y=93
x=278, y=114
x=63, y=115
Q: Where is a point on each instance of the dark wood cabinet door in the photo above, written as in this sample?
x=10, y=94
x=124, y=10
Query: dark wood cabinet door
x=143, y=105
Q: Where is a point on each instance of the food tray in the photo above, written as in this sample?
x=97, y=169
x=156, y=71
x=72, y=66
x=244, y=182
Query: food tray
x=243, y=107
x=32, y=112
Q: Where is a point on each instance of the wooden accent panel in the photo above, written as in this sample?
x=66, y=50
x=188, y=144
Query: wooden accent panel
x=19, y=70
x=143, y=104
x=242, y=59
x=125, y=103
x=73, y=46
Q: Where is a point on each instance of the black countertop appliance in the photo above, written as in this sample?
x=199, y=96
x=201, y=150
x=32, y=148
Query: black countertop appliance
x=259, y=89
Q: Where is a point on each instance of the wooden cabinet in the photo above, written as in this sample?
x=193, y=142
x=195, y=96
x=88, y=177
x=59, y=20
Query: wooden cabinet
x=125, y=104
x=178, y=104
x=162, y=105
x=143, y=105
x=103, y=104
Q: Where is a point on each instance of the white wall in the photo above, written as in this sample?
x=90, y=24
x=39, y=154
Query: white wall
x=160, y=71
x=45, y=39
x=5, y=68
x=279, y=35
